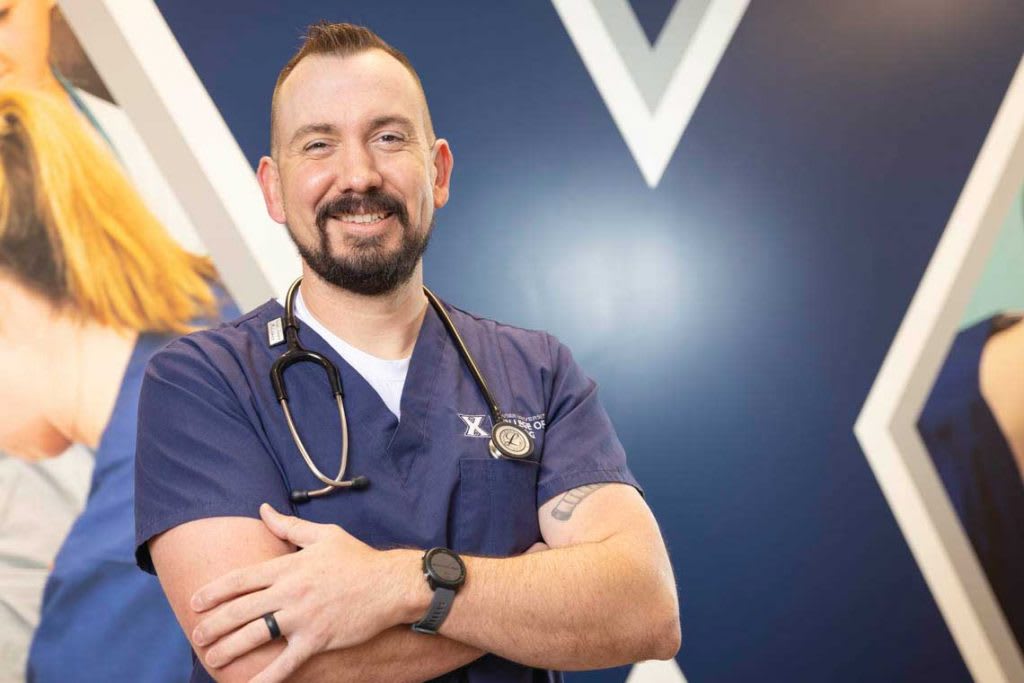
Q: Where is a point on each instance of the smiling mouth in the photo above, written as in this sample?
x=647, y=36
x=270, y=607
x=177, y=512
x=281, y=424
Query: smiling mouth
x=361, y=217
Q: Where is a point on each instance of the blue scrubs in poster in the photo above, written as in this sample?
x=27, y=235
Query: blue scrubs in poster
x=977, y=467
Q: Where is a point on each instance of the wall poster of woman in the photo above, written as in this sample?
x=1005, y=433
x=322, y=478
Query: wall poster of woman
x=972, y=424
x=98, y=268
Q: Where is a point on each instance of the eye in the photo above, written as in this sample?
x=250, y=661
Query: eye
x=390, y=138
x=4, y=12
x=315, y=146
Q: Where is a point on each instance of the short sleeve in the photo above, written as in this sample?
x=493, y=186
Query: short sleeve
x=580, y=444
x=199, y=453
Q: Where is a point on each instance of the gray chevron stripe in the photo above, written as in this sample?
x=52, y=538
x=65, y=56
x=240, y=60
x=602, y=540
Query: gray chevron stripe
x=651, y=67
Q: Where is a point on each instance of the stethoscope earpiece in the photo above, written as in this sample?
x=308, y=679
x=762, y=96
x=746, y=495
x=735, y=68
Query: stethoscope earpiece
x=298, y=496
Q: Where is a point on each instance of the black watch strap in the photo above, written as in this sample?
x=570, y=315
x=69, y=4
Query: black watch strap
x=439, y=608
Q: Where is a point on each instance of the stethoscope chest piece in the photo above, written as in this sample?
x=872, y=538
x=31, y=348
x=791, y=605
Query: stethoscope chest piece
x=509, y=440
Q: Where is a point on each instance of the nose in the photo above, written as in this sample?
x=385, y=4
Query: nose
x=359, y=172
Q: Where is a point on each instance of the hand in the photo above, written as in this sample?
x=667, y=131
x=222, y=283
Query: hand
x=335, y=592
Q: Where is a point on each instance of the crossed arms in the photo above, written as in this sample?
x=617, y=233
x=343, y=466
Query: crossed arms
x=601, y=593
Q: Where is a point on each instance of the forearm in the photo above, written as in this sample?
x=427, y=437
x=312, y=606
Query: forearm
x=396, y=655
x=585, y=606
x=387, y=654
x=603, y=595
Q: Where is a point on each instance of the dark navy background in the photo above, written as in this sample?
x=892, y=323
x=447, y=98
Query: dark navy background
x=736, y=315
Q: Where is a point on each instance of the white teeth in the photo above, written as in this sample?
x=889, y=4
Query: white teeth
x=361, y=217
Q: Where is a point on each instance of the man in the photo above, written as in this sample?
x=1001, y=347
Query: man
x=562, y=565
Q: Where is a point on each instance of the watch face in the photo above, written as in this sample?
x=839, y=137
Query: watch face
x=446, y=567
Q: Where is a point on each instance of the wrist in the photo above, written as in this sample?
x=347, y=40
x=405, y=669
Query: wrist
x=445, y=572
x=414, y=594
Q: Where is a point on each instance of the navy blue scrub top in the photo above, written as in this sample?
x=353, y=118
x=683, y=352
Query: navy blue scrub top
x=978, y=469
x=213, y=442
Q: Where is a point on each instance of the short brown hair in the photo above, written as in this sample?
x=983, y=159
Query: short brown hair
x=340, y=40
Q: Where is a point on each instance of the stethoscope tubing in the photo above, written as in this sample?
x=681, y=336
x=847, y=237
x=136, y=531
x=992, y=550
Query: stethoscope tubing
x=466, y=357
x=337, y=482
x=295, y=353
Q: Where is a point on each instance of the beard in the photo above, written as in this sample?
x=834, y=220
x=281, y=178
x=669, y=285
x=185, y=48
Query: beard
x=368, y=268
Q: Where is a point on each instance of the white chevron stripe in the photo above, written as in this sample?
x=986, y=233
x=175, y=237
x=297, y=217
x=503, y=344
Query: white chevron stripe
x=149, y=75
x=886, y=427
x=651, y=135
x=656, y=671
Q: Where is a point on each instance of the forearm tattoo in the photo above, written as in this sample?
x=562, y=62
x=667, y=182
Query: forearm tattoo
x=563, y=510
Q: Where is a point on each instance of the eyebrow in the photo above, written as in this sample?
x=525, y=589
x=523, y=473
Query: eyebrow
x=393, y=120
x=309, y=128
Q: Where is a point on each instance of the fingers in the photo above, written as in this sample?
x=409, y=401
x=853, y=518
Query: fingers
x=237, y=582
x=249, y=637
x=293, y=656
x=233, y=615
x=297, y=531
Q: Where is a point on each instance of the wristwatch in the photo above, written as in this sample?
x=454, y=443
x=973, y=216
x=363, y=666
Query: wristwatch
x=445, y=572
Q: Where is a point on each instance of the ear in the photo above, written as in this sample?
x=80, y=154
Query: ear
x=442, y=172
x=270, y=184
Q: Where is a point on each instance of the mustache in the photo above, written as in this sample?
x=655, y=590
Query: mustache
x=375, y=201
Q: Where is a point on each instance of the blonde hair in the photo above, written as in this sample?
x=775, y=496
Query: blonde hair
x=74, y=230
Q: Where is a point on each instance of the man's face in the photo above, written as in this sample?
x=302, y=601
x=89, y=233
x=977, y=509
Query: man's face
x=355, y=178
x=24, y=43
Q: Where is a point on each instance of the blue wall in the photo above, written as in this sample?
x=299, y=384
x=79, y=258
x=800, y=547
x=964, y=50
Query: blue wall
x=736, y=315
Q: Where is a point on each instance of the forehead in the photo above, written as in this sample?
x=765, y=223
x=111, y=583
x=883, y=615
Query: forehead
x=346, y=91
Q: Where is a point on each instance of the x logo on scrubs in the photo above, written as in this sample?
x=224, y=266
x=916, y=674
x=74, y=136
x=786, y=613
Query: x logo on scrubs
x=473, y=427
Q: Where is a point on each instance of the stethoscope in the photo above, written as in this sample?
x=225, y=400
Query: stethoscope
x=508, y=440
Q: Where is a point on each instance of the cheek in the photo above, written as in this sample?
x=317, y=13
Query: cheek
x=8, y=49
x=413, y=183
x=23, y=48
x=307, y=188
x=427, y=203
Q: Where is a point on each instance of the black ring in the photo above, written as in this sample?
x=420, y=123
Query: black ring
x=271, y=622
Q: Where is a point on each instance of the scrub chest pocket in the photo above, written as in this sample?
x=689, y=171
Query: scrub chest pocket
x=494, y=510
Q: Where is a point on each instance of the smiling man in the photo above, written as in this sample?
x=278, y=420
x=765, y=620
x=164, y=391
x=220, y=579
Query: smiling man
x=494, y=531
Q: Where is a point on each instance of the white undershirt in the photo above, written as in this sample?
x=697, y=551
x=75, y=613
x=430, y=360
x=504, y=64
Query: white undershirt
x=387, y=377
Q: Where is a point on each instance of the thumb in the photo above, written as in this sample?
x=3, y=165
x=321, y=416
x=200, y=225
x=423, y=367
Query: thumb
x=297, y=531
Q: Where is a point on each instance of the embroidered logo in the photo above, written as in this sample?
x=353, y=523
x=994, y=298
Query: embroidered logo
x=473, y=426
x=479, y=426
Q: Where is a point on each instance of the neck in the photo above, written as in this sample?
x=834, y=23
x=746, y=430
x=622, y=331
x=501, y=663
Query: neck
x=92, y=366
x=48, y=83
x=384, y=326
